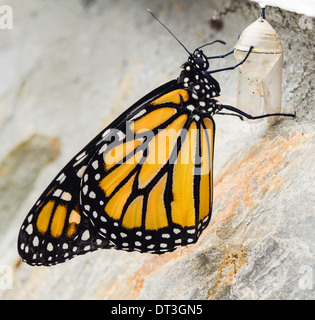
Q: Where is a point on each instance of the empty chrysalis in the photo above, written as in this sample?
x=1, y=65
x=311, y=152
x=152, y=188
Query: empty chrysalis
x=260, y=77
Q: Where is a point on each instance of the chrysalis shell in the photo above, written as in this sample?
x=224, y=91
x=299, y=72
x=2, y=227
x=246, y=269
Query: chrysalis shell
x=260, y=76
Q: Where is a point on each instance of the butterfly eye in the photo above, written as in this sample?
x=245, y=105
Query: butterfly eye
x=199, y=62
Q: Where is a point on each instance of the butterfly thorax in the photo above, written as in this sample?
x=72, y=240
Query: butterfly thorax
x=202, y=86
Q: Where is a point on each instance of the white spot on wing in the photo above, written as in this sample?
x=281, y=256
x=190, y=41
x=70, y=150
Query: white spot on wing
x=86, y=235
x=121, y=135
x=81, y=171
x=80, y=155
x=80, y=160
x=29, y=229
x=85, y=189
x=92, y=195
x=95, y=164
x=139, y=114
x=57, y=193
x=66, y=196
x=35, y=241
x=61, y=178
x=106, y=132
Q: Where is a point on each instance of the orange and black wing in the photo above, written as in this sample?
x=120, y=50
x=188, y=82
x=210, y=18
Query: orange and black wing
x=56, y=229
x=144, y=183
x=152, y=191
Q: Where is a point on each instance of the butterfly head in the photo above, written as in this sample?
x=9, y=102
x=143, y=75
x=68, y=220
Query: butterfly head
x=198, y=60
x=195, y=77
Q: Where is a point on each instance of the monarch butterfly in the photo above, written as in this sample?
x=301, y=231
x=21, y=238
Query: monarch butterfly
x=117, y=193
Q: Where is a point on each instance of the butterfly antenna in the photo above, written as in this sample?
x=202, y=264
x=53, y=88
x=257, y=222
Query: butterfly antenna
x=154, y=16
x=215, y=41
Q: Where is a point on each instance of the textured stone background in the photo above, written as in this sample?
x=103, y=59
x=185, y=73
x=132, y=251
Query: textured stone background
x=68, y=68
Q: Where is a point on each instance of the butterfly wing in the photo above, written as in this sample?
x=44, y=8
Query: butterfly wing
x=152, y=190
x=118, y=191
x=56, y=229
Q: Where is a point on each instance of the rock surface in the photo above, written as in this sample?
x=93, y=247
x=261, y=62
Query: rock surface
x=68, y=68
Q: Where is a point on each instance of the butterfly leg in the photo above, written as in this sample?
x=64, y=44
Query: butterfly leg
x=232, y=68
x=230, y=114
x=241, y=113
